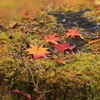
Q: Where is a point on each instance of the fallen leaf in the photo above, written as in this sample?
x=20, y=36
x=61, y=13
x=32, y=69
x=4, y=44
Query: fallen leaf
x=81, y=36
x=28, y=96
x=25, y=94
x=93, y=41
x=64, y=46
x=13, y=25
x=37, y=51
x=17, y=91
x=52, y=39
x=59, y=61
x=73, y=32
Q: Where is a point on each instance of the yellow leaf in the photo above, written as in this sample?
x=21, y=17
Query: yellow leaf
x=37, y=51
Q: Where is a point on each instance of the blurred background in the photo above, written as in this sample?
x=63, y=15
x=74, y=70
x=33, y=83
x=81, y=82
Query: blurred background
x=17, y=8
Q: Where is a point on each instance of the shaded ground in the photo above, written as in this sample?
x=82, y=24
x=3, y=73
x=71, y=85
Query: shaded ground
x=76, y=19
x=72, y=19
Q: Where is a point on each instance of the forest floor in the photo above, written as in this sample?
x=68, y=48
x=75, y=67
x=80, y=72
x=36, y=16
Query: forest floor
x=47, y=55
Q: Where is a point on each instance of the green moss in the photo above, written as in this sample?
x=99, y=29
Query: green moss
x=78, y=79
x=95, y=47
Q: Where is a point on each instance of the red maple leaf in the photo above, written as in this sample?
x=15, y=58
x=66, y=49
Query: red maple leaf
x=52, y=39
x=25, y=94
x=64, y=46
x=28, y=96
x=37, y=51
x=17, y=91
x=73, y=32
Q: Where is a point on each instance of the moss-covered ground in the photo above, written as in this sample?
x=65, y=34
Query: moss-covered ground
x=74, y=76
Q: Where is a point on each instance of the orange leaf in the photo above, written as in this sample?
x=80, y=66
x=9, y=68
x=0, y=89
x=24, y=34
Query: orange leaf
x=37, y=51
x=93, y=41
x=13, y=25
x=52, y=39
x=59, y=61
x=73, y=32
